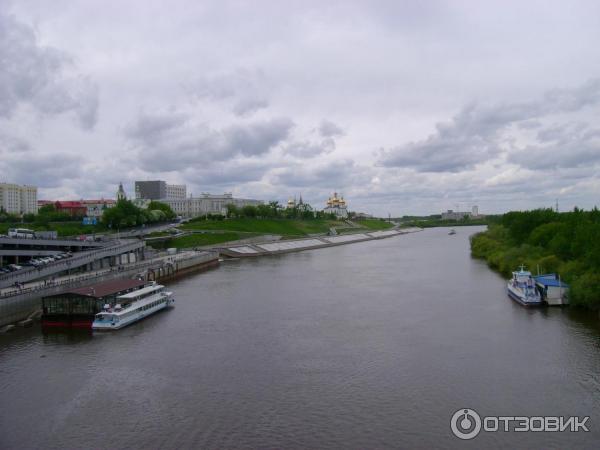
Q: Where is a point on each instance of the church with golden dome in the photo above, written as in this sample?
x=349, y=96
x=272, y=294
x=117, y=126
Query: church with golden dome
x=337, y=205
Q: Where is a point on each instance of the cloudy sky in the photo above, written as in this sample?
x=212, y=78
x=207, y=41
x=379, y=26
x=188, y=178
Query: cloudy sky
x=406, y=107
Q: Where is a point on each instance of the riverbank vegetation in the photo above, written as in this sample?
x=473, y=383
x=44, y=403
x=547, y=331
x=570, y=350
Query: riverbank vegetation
x=69, y=228
x=436, y=221
x=284, y=227
x=126, y=215
x=47, y=219
x=274, y=210
x=374, y=224
x=195, y=240
x=122, y=216
x=565, y=243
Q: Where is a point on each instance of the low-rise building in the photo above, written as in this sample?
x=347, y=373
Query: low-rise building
x=459, y=215
x=95, y=208
x=18, y=199
x=207, y=204
x=72, y=208
x=554, y=291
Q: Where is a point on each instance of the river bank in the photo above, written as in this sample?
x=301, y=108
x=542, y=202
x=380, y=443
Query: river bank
x=296, y=245
x=545, y=241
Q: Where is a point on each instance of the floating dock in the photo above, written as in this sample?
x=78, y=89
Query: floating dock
x=19, y=304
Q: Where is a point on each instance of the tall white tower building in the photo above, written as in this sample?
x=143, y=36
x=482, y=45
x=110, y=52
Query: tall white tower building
x=17, y=199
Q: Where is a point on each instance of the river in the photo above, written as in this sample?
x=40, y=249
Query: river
x=368, y=345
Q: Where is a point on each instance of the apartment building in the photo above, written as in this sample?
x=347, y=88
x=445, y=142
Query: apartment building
x=18, y=199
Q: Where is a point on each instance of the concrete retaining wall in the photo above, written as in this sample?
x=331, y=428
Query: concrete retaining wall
x=311, y=243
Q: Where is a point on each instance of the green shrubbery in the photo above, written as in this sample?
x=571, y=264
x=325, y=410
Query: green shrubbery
x=566, y=243
x=125, y=214
x=273, y=210
x=284, y=227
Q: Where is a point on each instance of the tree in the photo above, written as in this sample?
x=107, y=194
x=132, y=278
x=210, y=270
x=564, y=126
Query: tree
x=124, y=214
x=232, y=210
x=46, y=209
x=249, y=211
x=275, y=208
x=159, y=206
x=265, y=211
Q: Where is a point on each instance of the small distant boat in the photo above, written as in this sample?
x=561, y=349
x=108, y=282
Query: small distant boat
x=132, y=307
x=452, y=231
x=521, y=288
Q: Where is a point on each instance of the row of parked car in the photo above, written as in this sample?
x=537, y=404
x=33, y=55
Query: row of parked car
x=37, y=262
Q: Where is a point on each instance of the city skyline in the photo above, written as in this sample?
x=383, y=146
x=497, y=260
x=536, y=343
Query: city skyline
x=405, y=107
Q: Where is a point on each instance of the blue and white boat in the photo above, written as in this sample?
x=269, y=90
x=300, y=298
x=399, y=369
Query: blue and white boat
x=521, y=288
x=132, y=307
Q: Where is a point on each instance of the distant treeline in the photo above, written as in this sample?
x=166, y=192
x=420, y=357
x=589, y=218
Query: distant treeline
x=566, y=243
x=430, y=222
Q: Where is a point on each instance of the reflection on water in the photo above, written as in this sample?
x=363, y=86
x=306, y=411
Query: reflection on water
x=370, y=345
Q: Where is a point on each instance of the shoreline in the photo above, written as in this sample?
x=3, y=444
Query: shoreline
x=169, y=270
x=308, y=243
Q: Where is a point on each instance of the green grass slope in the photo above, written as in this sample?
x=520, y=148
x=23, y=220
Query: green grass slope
x=284, y=227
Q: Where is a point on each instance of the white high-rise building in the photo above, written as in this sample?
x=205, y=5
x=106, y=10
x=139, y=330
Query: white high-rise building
x=17, y=199
x=176, y=191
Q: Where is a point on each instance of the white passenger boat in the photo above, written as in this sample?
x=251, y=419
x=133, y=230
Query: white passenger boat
x=133, y=306
x=521, y=288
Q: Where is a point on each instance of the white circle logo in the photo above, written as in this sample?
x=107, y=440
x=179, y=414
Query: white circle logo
x=465, y=423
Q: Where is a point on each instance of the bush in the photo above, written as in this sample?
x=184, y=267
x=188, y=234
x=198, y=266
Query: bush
x=585, y=291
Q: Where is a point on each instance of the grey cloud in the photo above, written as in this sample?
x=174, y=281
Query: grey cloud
x=559, y=132
x=9, y=145
x=530, y=124
x=307, y=149
x=246, y=89
x=248, y=106
x=474, y=135
x=256, y=138
x=41, y=76
x=569, y=100
x=178, y=143
x=227, y=174
x=149, y=127
x=568, y=146
x=330, y=129
x=331, y=175
x=46, y=171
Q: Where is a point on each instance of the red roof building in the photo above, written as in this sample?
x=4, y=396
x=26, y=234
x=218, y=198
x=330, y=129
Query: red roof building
x=74, y=209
